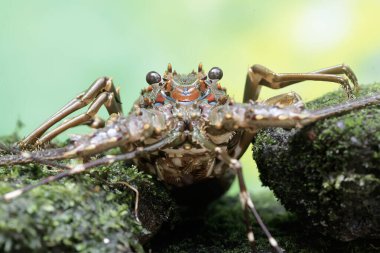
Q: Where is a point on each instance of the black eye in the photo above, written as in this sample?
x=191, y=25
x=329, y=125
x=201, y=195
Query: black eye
x=215, y=73
x=153, y=77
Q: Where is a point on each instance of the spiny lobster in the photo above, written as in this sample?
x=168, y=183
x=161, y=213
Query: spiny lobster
x=183, y=129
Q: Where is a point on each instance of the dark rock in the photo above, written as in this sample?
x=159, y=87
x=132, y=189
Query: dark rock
x=328, y=173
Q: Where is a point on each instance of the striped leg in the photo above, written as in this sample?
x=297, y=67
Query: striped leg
x=282, y=101
x=101, y=92
x=105, y=98
x=287, y=99
x=259, y=76
x=247, y=203
x=245, y=198
x=91, y=164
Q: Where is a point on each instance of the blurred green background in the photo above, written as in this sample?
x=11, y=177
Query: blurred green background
x=52, y=50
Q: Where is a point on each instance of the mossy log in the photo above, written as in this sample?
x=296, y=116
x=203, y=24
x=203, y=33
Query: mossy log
x=328, y=173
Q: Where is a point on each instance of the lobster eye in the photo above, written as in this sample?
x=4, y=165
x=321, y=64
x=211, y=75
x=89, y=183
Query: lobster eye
x=215, y=73
x=153, y=77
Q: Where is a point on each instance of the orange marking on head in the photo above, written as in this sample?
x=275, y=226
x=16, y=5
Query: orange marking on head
x=202, y=85
x=211, y=98
x=184, y=94
x=159, y=98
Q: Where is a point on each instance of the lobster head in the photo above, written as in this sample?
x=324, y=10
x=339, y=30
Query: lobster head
x=183, y=89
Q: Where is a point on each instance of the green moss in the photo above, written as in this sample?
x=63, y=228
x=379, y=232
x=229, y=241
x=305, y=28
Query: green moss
x=86, y=213
x=220, y=228
x=328, y=173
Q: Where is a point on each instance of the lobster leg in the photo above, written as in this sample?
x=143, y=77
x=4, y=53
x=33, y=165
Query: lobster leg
x=254, y=116
x=247, y=202
x=122, y=132
x=245, y=198
x=100, y=86
x=284, y=100
x=101, y=161
x=105, y=98
x=259, y=76
x=137, y=198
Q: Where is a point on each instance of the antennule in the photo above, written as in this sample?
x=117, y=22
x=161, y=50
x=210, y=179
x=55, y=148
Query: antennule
x=170, y=68
x=200, y=68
